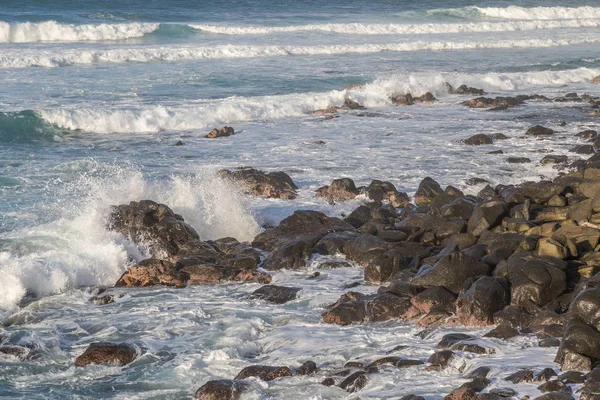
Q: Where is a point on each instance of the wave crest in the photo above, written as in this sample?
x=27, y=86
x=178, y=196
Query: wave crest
x=53, y=31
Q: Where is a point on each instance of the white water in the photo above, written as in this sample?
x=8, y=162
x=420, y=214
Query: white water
x=63, y=58
x=558, y=13
x=54, y=31
x=402, y=29
x=207, y=113
x=76, y=250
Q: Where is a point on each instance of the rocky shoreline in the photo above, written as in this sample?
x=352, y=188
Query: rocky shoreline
x=519, y=259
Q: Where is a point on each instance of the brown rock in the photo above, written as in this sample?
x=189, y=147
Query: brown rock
x=254, y=182
x=224, y=389
x=220, y=132
x=106, y=354
x=264, y=372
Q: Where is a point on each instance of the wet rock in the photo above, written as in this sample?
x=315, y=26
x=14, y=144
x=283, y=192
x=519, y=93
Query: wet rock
x=106, y=354
x=220, y=132
x=301, y=223
x=254, y=182
x=486, y=216
x=435, y=297
x=518, y=160
x=427, y=191
x=478, y=139
x=464, y=89
x=479, y=372
x=461, y=394
x=580, y=345
x=308, y=368
x=275, y=294
x=223, y=389
x=353, y=307
x=412, y=397
x=450, y=272
x=524, y=375
x=197, y=272
x=544, y=375
x=340, y=190
x=292, y=255
x=471, y=348
x=554, y=386
x=477, y=384
x=102, y=300
x=441, y=358
x=535, y=280
x=504, y=392
x=504, y=332
x=552, y=159
x=539, y=130
x=264, y=372
x=549, y=342
x=328, y=382
x=452, y=338
x=477, y=305
x=555, y=396
x=355, y=382
x=498, y=103
x=19, y=352
x=587, y=134
x=179, y=143
x=572, y=377
x=155, y=225
x=151, y=272
x=583, y=149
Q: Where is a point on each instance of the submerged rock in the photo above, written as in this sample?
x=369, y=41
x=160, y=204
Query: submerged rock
x=223, y=389
x=275, y=294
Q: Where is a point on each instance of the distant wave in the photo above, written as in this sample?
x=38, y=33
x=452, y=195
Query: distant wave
x=54, y=31
x=22, y=58
x=520, y=13
x=558, y=13
x=401, y=29
x=235, y=109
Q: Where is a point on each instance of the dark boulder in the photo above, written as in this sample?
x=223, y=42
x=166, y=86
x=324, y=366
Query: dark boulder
x=220, y=132
x=299, y=224
x=427, y=191
x=340, y=190
x=275, y=294
x=106, y=354
x=486, y=296
x=223, y=389
x=451, y=271
x=355, y=382
x=478, y=139
x=539, y=130
x=155, y=225
x=535, y=280
x=277, y=185
x=264, y=372
x=486, y=216
x=434, y=298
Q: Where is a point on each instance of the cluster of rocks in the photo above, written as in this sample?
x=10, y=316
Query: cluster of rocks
x=408, y=99
x=345, y=189
x=502, y=103
x=561, y=161
x=220, y=132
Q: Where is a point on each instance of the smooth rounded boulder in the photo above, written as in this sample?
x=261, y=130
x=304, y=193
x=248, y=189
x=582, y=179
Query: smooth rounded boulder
x=222, y=389
x=111, y=354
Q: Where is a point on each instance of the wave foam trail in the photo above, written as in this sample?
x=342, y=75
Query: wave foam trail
x=238, y=109
x=54, y=31
x=76, y=249
x=401, y=29
x=30, y=58
x=558, y=13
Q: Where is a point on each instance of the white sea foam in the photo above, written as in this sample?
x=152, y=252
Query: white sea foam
x=77, y=250
x=235, y=109
x=402, y=29
x=531, y=13
x=60, y=58
x=54, y=31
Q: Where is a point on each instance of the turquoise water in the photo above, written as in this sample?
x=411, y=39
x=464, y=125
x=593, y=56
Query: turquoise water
x=95, y=94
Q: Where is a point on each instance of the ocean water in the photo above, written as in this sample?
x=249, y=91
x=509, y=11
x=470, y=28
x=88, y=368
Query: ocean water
x=94, y=95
